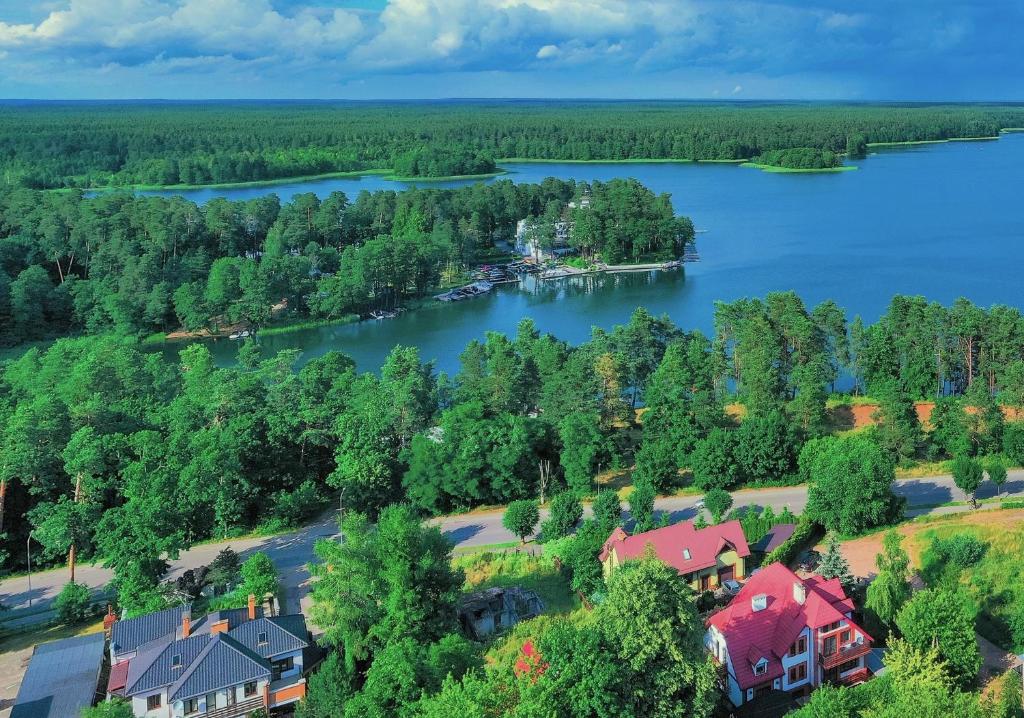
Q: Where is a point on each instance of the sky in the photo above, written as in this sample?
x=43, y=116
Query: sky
x=425, y=49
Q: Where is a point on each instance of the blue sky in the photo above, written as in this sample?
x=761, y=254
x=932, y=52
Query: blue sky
x=368, y=49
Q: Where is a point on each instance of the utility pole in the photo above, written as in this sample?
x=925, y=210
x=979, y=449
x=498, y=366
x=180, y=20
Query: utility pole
x=28, y=551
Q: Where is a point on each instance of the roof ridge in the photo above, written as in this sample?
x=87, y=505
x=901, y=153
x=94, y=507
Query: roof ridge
x=215, y=640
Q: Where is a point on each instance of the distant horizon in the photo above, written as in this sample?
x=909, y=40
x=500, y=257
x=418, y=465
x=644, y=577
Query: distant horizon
x=422, y=100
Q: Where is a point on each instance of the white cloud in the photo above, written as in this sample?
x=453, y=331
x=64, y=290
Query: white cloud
x=547, y=51
x=737, y=90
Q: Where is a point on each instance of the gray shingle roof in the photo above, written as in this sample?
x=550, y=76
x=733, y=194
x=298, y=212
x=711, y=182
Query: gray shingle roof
x=284, y=634
x=61, y=678
x=128, y=634
x=223, y=662
x=151, y=669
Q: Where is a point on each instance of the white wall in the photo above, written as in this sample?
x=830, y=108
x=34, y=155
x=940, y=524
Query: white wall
x=790, y=661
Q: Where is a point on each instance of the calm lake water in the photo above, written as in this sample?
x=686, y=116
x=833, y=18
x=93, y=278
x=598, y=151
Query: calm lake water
x=943, y=221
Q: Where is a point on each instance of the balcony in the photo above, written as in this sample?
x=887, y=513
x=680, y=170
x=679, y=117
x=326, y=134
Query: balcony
x=238, y=710
x=850, y=653
x=288, y=690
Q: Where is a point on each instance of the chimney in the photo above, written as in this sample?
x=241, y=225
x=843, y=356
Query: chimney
x=109, y=620
x=220, y=626
x=186, y=623
x=252, y=607
x=799, y=592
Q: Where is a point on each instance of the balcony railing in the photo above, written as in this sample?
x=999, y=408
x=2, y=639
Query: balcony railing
x=849, y=653
x=238, y=710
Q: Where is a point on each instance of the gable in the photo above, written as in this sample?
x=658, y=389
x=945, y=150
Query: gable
x=223, y=663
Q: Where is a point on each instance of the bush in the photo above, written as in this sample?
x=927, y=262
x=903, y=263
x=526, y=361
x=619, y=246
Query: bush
x=292, y=508
x=73, y=603
x=1013, y=442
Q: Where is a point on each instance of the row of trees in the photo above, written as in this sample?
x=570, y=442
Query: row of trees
x=120, y=144
x=102, y=443
x=803, y=158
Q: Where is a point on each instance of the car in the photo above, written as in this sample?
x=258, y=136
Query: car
x=699, y=504
x=732, y=586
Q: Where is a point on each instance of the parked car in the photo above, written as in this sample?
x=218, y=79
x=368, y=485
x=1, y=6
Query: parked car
x=732, y=586
x=699, y=504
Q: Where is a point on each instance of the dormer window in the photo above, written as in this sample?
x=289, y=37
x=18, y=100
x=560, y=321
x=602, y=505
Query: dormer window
x=686, y=554
x=759, y=602
x=761, y=667
x=176, y=661
x=261, y=638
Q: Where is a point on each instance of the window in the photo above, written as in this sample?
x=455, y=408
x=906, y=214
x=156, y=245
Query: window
x=797, y=673
x=844, y=637
x=175, y=661
x=153, y=702
x=686, y=554
x=211, y=701
x=830, y=627
x=761, y=667
x=282, y=666
x=250, y=689
x=848, y=666
x=799, y=647
x=829, y=646
x=191, y=706
x=261, y=638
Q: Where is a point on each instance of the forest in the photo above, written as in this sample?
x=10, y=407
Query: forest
x=125, y=454
x=799, y=158
x=136, y=265
x=62, y=145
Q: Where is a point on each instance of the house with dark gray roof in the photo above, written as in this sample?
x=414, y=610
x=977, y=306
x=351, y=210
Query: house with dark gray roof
x=226, y=664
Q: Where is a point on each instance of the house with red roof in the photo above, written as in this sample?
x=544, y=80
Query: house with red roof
x=786, y=633
x=704, y=557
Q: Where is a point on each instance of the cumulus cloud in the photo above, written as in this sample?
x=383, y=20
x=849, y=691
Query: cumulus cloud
x=758, y=44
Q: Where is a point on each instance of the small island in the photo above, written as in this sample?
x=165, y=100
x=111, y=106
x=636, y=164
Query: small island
x=799, y=159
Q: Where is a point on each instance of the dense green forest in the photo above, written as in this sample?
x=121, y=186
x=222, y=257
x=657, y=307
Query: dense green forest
x=125, y=454
x=138, y=265
x=97, y=145
x=800, y=158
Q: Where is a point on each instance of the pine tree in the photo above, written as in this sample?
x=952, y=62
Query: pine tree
x=834, y=564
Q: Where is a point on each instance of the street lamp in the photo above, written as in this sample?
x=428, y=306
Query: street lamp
x=28, y=551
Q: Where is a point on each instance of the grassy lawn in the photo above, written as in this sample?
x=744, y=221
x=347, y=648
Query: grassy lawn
x=21, y=639
x=488, y=569
x=996, y=582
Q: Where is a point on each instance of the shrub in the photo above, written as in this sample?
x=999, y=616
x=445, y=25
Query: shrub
x=73, y=603
x=292, y=508
x=1013, y=442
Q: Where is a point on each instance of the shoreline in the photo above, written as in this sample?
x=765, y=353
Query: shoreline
x=390, y=175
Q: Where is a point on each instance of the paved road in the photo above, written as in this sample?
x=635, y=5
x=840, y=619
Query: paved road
x=290, y=552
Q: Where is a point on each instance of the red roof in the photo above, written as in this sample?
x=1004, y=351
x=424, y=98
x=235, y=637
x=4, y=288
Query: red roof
x=771, y=631
x=673, y=543
x=118, y=677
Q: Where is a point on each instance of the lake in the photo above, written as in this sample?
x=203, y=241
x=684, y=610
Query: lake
x=941, y=220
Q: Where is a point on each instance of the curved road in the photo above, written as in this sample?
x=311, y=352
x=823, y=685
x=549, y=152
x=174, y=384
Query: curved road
x=291, y=552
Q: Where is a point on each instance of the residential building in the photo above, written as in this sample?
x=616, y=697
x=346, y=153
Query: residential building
x=704, y=557
x=483, y=612
x=775, y=537
x=61, y=679
x=227, y=664
x=786, y=633
x=527, y=246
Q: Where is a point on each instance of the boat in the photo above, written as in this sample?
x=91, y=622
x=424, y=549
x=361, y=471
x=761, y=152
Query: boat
x=470, y=290
x=240, y=335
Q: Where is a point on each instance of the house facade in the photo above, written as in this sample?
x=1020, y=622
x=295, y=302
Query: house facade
x=704, y=557
x=786, y=633
x=227, y=664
